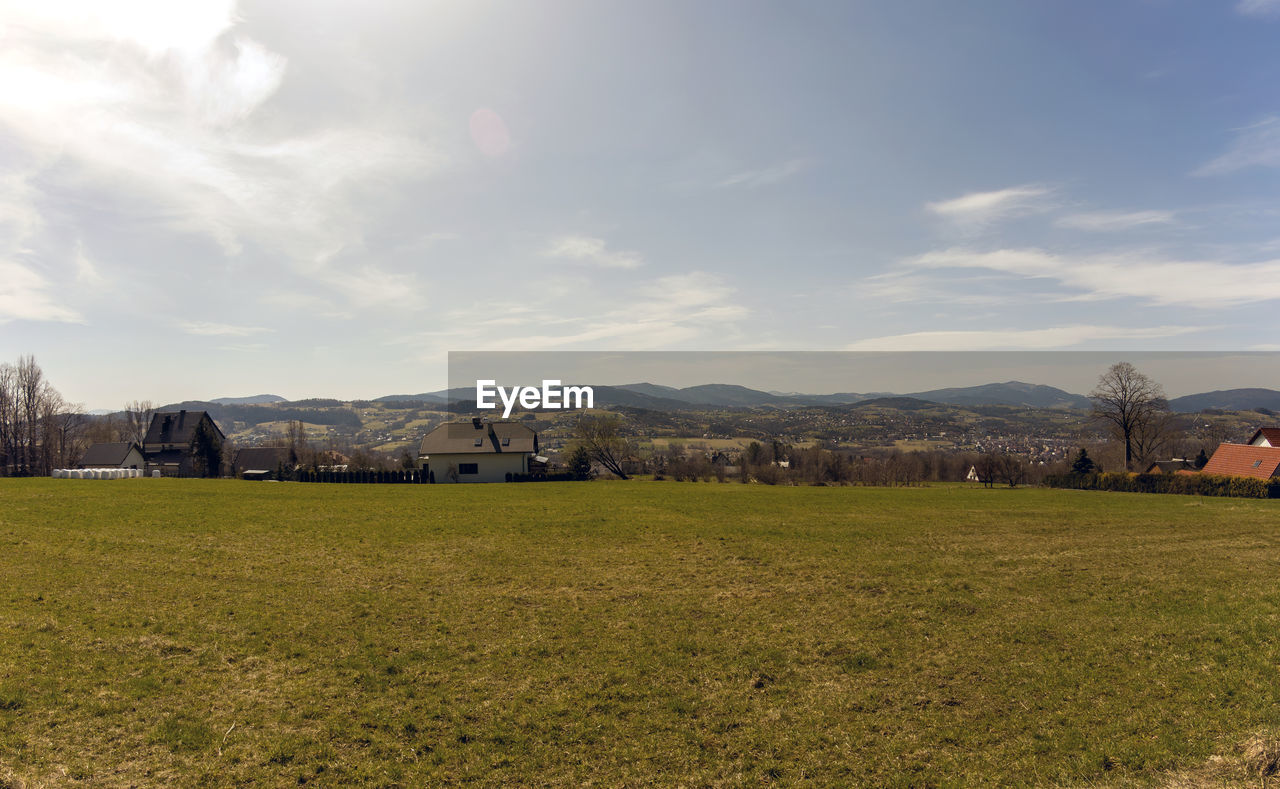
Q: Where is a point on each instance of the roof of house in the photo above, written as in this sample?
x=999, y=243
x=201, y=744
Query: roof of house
x=111, y=454
x=1168, y=467
x=1271, y=434
x=480, y=438
x=176, y=427
x=260, y=458
x=1241, y=460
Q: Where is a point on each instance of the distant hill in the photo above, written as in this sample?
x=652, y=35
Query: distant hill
x=729, y=395
x=1228, y=400
x=262, y=399
x=425, y=397
x=900, y=403
x=1015, y=393
x=315, y=411
x=606, y=396
x=657, y=397
x=653, y=390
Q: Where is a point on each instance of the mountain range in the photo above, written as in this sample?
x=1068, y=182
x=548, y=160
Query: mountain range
x=1010, y=393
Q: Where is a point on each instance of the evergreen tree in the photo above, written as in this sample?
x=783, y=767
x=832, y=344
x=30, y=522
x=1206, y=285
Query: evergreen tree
x=579, y=463
x=1201, y=459
x=1083, y=464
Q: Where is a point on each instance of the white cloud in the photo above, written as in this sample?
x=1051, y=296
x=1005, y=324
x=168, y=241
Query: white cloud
x=371, y=286
x=155, y=104
x=1014, y=339
x=594, y=251
x=26, y=295
x=1145, y=277
x=976, y=210
x=766, y=176
x=1262, y=8
x=25, y=292
x=660, y=313
x=212, y=329
x=1109, y=221
x=1254, y=146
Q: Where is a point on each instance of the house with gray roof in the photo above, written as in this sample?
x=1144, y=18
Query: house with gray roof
x=183, y=444
x=114, y=454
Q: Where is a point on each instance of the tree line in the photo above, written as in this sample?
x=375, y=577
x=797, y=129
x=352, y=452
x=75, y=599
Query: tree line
x=39, y=430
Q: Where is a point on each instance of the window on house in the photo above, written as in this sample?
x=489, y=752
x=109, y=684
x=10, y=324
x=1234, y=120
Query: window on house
x=1257, y=463
x=468, y=468
x=479, y=442
x=506, y=442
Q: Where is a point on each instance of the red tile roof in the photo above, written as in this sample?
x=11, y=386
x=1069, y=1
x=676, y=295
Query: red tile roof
x=1271, y=434
x=1240, y=460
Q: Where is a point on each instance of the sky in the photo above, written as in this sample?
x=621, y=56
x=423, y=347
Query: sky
x=325, y=198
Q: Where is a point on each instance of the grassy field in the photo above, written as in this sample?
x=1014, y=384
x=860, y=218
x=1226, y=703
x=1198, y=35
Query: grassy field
x=186, y=632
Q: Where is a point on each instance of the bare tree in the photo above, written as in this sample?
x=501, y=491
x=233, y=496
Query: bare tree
x=1010, y=469
x=987, y=465
x=601, y=437
x=1130, y=403
x=1157, y=437
x=38, y=429
x=8, y=419
x=137, y=418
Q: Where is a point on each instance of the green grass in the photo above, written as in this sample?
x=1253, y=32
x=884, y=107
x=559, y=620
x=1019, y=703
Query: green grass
x=187, y=632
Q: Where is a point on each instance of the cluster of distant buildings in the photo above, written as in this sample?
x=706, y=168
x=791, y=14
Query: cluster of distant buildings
x=475, y=451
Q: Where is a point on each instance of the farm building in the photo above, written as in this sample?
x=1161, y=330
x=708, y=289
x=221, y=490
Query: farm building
x=1245, y=460
x=260, y=462
x=477, y=451
x=183, y=444
x=116, y=454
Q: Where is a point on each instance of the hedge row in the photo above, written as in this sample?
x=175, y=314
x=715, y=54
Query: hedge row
x=364, y=476
x=1188, y=484
x=555, y=476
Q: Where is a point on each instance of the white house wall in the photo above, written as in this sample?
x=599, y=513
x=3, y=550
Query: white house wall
x=491, y=467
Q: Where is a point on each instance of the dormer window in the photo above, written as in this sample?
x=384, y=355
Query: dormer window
x=506, y=442
x=479, y=442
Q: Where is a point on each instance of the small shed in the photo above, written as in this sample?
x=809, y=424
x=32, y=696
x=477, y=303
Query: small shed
x=115, y=454
x=260, y=462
